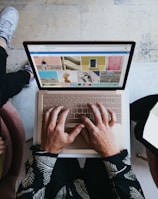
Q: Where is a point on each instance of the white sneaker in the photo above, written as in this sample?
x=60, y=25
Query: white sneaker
x=9, y=18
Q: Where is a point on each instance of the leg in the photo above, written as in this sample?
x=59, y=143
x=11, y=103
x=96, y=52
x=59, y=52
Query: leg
x=96, y=179
x=12, y=84
x=139, y=109
x=3, y=60
x=8, y=23
x=66, y=170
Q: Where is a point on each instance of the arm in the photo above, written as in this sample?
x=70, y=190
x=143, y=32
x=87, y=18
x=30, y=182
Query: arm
x=39, y=168
x=42, y=160
x=100, y=136
x=123, y=180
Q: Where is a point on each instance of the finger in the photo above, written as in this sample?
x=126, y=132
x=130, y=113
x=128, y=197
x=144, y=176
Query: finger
x=46, y=118
x=1, y=141
x=2, y=151
x=88, y=123
x=104, y=113
x=62, y=117
x=53, y=117
x=45, y=122
x=2, y=145
x=75, y=132
x=113, y=118
x=96, y=113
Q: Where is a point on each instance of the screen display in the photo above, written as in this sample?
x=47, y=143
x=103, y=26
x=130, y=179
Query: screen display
x=80, y=65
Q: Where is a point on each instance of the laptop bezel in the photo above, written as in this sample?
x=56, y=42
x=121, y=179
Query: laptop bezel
x=132, y=43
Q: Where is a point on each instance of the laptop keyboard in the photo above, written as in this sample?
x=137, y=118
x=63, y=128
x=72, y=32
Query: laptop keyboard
x=77, y=103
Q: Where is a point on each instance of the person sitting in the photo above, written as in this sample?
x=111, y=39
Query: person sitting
x=108, y=176
x=10, y=83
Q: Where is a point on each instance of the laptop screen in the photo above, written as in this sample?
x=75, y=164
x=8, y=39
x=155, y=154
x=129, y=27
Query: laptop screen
x=80, y=64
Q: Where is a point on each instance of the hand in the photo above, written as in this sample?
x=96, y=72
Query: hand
x=100, y=135
x=54, y=138
x=2, y=145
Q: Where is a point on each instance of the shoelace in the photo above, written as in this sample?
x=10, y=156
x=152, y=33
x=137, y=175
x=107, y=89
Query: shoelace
x=5, y=28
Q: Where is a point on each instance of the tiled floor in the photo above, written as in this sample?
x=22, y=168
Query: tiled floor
x=141, y=76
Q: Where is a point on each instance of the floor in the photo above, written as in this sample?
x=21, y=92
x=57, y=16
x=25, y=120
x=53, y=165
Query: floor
x=142, y=81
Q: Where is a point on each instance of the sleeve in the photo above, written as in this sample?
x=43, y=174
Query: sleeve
x=39, y=168
x=124, y=182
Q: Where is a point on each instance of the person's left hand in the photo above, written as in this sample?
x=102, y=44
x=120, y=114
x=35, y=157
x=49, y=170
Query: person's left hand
x=54, y=138
x=99, y=133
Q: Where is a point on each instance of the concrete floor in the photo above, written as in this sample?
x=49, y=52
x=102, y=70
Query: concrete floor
x=33, y=25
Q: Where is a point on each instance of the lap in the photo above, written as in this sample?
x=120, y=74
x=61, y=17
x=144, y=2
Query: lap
x=94, y=175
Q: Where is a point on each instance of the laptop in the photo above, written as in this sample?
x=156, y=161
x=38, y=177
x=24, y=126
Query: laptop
x=74, y=73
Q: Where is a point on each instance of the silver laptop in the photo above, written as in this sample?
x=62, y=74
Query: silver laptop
x=73, y=73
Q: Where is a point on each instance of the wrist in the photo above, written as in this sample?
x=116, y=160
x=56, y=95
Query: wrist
x=117, y=158
x=50, y=149
x=37, y=150
x=109, y=153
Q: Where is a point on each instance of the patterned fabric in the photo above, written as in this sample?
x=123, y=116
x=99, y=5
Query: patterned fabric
x=123, y=178
x=38, y=179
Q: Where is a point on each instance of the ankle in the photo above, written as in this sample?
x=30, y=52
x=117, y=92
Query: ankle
x=31, y=74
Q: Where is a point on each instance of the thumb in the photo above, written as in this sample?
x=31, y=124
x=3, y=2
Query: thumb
x=77, y=130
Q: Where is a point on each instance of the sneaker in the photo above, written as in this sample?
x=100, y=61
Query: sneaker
x=8, y=22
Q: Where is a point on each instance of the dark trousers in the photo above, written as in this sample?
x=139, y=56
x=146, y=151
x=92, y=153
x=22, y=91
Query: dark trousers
x=10, y=83
x=94, y=175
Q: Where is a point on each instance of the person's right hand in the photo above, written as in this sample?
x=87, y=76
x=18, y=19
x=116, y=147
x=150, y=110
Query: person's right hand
x=99, y=133
x=54, y=138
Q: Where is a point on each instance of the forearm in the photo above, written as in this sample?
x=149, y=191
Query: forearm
x=123, y=180
x=38, y=173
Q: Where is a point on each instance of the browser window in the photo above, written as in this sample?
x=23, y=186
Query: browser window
x=80, y=65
